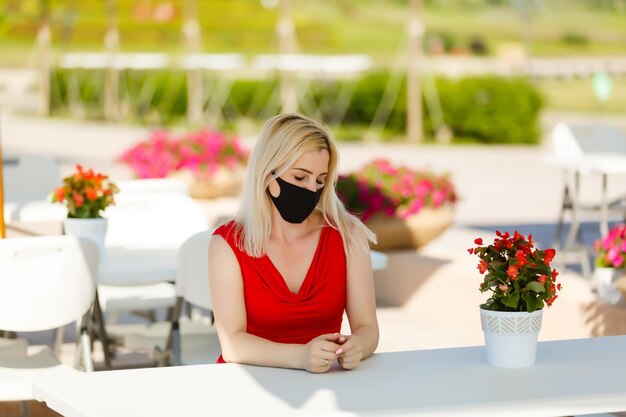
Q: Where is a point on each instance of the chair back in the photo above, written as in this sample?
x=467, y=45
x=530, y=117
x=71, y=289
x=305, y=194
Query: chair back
x=29, y=177
x=192, y=279
x=153, y=220
x=574, y=141
x=46, y=282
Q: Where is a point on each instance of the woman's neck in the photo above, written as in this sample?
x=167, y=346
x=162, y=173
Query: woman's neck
x=288, y=232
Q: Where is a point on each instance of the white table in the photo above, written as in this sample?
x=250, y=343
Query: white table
x=570, y=377
x=597, y=164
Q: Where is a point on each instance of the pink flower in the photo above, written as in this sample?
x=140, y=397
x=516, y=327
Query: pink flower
x=611, y=249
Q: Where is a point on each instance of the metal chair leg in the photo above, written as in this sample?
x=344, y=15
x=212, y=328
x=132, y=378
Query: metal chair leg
x=83, y=346
x=59, y=333
x=101, y=332
x=565, y=204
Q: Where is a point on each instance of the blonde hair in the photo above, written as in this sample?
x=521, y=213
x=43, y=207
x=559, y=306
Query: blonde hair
x=283, y=139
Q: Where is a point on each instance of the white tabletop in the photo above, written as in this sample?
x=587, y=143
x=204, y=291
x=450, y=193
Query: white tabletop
x=598, y=163
x=570, y=377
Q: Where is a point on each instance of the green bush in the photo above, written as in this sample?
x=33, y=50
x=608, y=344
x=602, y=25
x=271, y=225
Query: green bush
x=574, y=39
x=492, y=109
x=486, y=109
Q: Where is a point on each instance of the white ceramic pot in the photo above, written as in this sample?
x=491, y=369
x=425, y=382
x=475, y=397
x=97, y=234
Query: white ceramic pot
x=606, y=284
x=511, y=337
x=94, y=229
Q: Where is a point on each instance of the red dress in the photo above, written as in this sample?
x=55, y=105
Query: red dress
x=275, y=313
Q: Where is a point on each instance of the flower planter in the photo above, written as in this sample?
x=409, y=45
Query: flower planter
x=511, y=337
x=224, y=182
x=606, y=284
x=413, y=232
x=94, y=229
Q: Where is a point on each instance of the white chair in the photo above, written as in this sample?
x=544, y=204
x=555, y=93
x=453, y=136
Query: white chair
x=45, y=283
x=587, y=150
x=147, y=221
x=28, y=180
x=183, y=341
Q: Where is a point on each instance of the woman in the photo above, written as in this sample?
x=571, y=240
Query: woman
x=293, y=259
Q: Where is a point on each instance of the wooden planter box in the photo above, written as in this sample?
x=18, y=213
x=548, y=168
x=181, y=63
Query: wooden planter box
x=413, y=232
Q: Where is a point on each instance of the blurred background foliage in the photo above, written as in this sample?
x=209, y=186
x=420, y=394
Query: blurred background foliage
x=477, y=109
x=375, y=27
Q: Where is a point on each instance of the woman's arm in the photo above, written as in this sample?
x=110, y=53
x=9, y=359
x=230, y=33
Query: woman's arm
x=237, y=345
x=360, y=309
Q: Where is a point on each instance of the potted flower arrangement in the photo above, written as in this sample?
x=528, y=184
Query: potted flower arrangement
x=211, y=163
x=406, y=208
x=520, y=281
x=610, y=264
x=86, y=194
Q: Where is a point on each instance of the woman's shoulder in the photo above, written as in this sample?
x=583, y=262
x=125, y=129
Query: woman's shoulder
x=229, y=229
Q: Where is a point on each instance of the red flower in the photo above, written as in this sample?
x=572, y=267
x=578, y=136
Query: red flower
x=478, y=241
x=78, y=200
x=549, y=256
x=482, y=266
x=521, y=262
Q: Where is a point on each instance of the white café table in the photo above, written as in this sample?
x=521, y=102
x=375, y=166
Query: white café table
x=570, y=377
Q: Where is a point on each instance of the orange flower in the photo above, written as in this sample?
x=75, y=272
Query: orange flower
x=60, y=194
x=542, y=279
x=91, y=194
x=512, y=272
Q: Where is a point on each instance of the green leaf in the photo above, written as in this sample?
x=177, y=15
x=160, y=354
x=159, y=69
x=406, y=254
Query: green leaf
x=498, y=272
x=532, y=302
x=535, y=286
x=511, y=300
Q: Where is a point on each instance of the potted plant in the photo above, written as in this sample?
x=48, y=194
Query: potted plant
x=610, y=264
x=210, y=162
x=520, y=281
x=86, y=194
x=406, y=208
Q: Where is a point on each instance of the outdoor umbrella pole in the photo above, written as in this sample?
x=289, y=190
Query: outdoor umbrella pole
x=2, y=228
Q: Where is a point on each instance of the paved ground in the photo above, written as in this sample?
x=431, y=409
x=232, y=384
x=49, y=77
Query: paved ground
x=427, y=298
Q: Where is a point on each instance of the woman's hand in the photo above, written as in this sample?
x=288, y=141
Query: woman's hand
x=350, y=352
x=318, y=355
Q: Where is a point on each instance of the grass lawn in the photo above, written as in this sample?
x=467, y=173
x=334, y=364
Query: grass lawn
x=578, y=95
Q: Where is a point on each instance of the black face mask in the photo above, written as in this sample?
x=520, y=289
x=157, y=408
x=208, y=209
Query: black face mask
x=295, y=203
